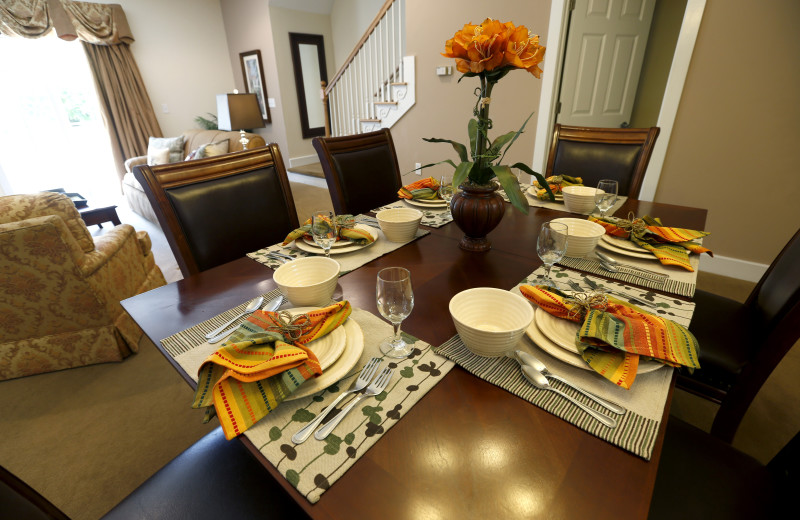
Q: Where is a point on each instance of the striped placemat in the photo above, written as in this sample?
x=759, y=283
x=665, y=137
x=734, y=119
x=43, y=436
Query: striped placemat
x=682, y=287
x=634, y=432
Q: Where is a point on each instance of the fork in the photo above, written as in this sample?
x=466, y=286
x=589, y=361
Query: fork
x=377, y=386
x=279, y=255
x=575, y=286
x=363, y=379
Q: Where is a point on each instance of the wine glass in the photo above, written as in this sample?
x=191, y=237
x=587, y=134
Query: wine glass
x=323, y=229
x=606, y=195
x=446, y=189
x=395, y=300
x=551, y=246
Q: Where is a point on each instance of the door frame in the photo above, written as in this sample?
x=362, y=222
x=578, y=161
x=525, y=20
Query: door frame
x=551, y=83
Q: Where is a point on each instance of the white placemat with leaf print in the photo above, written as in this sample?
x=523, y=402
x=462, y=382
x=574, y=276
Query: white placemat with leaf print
x=637, y=429
x=313, y=466
x=435, y=218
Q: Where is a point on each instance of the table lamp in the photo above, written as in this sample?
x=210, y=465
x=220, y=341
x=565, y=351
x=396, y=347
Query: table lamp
x=239, y=111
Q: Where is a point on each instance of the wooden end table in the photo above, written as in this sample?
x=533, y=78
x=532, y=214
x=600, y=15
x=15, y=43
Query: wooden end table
x=96, y=216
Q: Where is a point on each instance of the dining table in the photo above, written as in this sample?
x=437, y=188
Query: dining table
x=468, y=448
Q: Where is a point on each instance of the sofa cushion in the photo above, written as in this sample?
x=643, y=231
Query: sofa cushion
x=157, y=156
x=212, y=149
x=174, y=144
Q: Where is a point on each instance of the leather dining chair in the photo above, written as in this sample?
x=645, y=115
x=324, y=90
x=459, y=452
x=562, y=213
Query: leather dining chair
x=742, y=343
x=218, y=209
x=361, y=170
x=702, y=477
x=620, y=154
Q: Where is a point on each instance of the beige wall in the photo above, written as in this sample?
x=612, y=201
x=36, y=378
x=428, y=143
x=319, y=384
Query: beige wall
x=284, y=21
x=734, y=147
x=443, y=105
x=349, y=21
x=247, y=26
x=182, y=54
x=667, y=19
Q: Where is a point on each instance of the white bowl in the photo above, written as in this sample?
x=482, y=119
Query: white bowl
x=490, y=321
x=583, y=236
x=579, y=199
x=399, y=224
x=308, y=282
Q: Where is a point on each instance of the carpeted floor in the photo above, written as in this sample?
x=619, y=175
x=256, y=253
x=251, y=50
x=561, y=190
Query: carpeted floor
x=87, y=437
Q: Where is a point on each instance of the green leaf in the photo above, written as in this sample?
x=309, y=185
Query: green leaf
x=462, y=170
x=511, y=186
x=302, y=415
x=332, y=443
x=500, y=142
x=293, y=477
x=467, y=75
x=448, y=161
x=460, y=149
x=349, y=438
x=472, y=130
x=274, y=433
x=539, y=177
x=515, y=137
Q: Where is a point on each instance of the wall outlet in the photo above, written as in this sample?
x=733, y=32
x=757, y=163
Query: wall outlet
x=417, y=169
x=165, y=108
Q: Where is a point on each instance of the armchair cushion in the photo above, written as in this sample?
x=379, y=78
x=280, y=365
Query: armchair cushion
x=157, y=144
x=59, y=304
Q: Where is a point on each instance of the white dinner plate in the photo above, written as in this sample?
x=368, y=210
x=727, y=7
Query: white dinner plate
x=550, y=348
x=336, y=245
x=609, y=246
x=624, y=243
x=308, y=248
x=354, y=346
x=438, y=204
x=562, y=335
x=329, y=347
x=532, y=191
x=558, y=330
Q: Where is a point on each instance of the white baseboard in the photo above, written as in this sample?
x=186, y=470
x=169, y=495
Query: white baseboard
x=303, y=160
x=307, y=179
x=732, y=267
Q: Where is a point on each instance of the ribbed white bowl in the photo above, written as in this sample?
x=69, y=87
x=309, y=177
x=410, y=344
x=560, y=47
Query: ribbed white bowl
x=583, y=236
x=490, y=321
x=579, y=199
x=399, y=224
x=308, y=282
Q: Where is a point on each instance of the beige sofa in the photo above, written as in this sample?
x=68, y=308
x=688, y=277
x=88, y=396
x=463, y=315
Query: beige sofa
x=60, y=288
x=192, y=140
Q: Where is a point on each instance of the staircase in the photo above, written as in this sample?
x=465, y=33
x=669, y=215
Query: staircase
x=375, y=86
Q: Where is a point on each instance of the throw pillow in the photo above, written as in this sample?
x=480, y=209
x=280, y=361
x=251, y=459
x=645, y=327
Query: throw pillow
x=212, y=149
x=157, y=156
x=174, y=144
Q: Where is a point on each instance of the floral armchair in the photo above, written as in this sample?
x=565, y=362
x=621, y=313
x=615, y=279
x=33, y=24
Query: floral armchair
x=60, y=288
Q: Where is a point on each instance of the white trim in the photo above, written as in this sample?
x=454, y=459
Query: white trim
x=672, y=94
x=733, y=268
x=559, y=14
x=303, y=160
x=307, y=179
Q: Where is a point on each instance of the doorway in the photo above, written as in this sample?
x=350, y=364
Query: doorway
x=52, y=133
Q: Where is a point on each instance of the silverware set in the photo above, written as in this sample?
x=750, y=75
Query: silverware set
x=594, y=287
x=615, y=266
x=221, y=332
x=377, y=386
x=281, y=257
x=539, y=376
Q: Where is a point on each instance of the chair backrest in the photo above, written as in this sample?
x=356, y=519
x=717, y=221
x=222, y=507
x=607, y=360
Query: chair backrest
x=620, y=154
x=218, y=209
x=774, y=308
x=361, y=170
x=19, y=500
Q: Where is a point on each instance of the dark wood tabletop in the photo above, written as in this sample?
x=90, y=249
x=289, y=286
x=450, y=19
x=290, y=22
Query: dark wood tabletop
x=467, y=449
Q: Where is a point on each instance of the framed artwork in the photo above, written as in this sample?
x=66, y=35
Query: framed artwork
x=253, y=72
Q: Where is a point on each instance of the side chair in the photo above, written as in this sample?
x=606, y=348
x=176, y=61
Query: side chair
x=218, y=209
x=361, y=170
x=620, y=154
x=742, y=343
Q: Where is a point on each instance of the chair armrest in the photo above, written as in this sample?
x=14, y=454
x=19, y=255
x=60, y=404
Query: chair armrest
x=135, y=161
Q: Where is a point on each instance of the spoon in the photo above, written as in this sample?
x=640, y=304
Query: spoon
x=538, y=380
x=254, y=305
x=613, y=265
x=526, y=359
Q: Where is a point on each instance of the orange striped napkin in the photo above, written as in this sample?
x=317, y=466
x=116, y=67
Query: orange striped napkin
x=613, y=339
x=261, y=365
x=669, y=244
x=422, y=189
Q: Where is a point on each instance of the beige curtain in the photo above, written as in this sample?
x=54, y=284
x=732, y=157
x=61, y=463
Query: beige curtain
x=104, y=32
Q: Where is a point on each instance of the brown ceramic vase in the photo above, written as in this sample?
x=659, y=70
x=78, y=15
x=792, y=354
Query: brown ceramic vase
x=477, y=210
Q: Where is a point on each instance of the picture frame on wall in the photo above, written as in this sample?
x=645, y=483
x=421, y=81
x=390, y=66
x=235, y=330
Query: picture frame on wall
x=253, y=73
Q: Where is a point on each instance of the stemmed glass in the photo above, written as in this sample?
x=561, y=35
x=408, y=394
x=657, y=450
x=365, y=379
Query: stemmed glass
x=551, y=246
x=446, y=189
x=606, y=195
x=395, y=300
x=323, y=229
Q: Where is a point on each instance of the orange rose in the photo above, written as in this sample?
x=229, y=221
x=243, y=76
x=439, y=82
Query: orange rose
x=479, y=47
x=523, y=51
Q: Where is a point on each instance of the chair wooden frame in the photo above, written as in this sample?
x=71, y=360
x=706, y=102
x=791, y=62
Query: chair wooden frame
x=646, y=137
x=157, y=179
x=328, y=147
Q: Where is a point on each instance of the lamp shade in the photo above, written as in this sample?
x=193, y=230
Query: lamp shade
x=238, y=112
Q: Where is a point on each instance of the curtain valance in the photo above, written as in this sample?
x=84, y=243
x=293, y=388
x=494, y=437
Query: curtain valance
x=98, y=24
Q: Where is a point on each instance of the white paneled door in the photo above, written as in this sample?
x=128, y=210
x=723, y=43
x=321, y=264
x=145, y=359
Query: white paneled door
x=604, y=53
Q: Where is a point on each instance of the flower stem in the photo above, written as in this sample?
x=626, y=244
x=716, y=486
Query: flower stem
x=482, y=139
